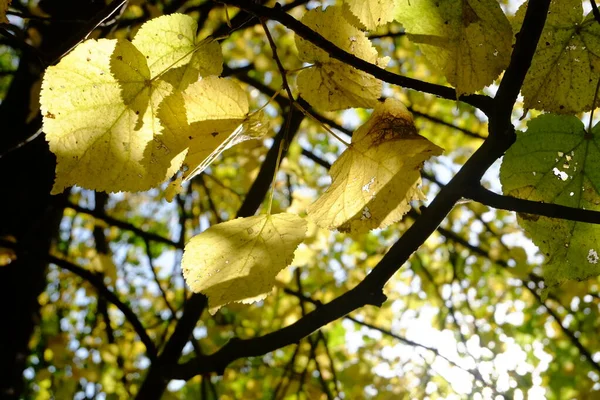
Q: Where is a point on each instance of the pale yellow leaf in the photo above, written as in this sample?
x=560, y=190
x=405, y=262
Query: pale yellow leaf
x=216, y=119
x=170, y=41
x=377, y=176
x=173, y=189
x=238, y=260
x=468, y=40
x=330, y=84
x=99, y=119
x=372, y=13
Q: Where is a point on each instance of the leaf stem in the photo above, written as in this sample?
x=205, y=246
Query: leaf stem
x=589, y=131
x=288, y=90
x=277, y=93
x=308, y=114
x=288, y=120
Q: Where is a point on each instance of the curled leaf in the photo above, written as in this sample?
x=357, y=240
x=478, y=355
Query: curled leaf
x=378, y=175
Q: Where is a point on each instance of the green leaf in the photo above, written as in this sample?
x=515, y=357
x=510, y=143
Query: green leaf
x=238, y=260
x=331, y=84
x=372, y=13
x=556, y=161
x=468, y=40
x=566, y=65
x=377, y=176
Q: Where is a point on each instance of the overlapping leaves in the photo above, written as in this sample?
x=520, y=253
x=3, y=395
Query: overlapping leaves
x=115, y=112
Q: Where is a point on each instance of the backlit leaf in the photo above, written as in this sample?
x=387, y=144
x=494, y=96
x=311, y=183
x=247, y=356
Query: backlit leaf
x=377, y=176
x=238, y=260
x=372, y=13
x=210, y=116
x=555, y=161
x=108, y=103
x=566, y=65
x=99, y=112
x=331, y=84
x=170, y=41
x=468, y=40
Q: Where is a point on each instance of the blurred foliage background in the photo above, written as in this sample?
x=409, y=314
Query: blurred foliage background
x=464, y=318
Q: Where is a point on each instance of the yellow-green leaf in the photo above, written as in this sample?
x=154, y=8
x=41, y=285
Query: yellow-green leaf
x=372, y=13
x=468, y=40
x=566, y=65
x=330, y=84
x=210, y=116
x=170, y=41
x=108, y=103
x=377, y=176
x=98, y=107
x=238, y=260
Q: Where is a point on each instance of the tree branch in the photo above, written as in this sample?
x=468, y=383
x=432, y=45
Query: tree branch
x=520, y=61
x=595, y=11
x=369, y=291
x=124, y=225
x=159, y=373
x=109, y=295
x=482, y=102
x=489, y=198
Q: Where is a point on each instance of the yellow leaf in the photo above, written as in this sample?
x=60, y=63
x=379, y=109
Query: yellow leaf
x=104, y=263
x=98, y=107
x=216, y=119
x=237, y=261
x=173, y=189
x=102, y=106
x=170, y=41
x=217, y=111
x=3, y=7
x=372, y=13
x=377, y=176
x=468, y=40
x=330, y=84
x=7, y=255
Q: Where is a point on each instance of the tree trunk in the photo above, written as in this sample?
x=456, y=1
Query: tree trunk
x=28, y=214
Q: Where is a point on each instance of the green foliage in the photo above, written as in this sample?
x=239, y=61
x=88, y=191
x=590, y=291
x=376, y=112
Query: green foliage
x=555, y=161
